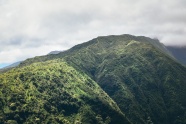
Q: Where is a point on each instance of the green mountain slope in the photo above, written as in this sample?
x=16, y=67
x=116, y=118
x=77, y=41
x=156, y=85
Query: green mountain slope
x=54, y=92
x=138, y=73
x=143, y=79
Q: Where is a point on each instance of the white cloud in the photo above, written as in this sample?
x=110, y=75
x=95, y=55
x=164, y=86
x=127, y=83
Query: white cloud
x=37, y=25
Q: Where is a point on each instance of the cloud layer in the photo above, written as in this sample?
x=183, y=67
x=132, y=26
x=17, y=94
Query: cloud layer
x=29, y=28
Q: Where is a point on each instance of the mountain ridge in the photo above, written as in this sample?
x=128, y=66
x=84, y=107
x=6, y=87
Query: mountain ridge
x=154, y=42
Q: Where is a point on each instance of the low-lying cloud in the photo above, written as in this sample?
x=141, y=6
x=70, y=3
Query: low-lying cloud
x=29, y=28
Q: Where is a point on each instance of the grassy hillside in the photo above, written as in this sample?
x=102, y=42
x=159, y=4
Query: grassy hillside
x=54, y=92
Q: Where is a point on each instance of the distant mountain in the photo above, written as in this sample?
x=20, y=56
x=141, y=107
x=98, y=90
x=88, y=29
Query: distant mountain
x=107, y=80
x=17, y=63
x=12, y=65
x=179, y=53
x=6, y=68
x=54, y=52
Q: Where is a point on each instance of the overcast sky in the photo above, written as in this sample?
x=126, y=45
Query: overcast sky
x=36, y=27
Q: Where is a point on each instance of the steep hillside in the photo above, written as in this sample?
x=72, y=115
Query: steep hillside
x=54, y=92
x=138, y=73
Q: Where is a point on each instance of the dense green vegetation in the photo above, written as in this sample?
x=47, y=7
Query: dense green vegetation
x=53, y=92
x=140, y=76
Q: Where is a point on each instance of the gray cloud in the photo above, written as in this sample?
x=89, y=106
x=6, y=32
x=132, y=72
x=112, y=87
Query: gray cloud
x=30, y=28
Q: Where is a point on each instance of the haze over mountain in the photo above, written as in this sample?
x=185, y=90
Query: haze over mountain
x=54, y=52
x=12, y=65
x=108, y=80
x=179, y=53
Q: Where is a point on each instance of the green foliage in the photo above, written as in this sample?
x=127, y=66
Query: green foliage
x=52, y=92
